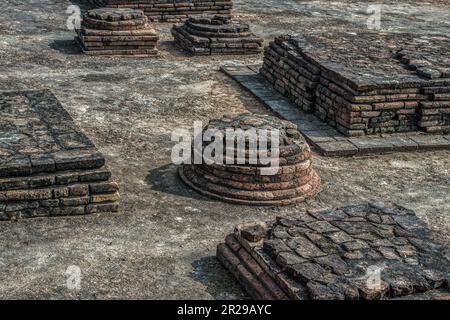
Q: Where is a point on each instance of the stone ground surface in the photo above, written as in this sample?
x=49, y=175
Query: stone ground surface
x=162, y=244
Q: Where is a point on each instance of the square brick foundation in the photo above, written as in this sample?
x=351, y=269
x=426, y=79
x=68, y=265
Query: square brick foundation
x=325, y=139
x=365, y=83
x=48, y=167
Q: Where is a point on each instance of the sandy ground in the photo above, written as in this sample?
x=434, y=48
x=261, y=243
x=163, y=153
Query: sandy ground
x=162, y=243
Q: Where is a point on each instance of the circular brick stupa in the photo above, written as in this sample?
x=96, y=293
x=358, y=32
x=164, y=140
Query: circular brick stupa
x=258, y=182
x=119, y=32
x=209, y=34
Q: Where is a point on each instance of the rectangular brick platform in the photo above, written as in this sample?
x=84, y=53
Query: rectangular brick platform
x=322, y=136
x=170, y=10
x=391, y=83
x=370, y=251
x=117, y=32
x=48, y=167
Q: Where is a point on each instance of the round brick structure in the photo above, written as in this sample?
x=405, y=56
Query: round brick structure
x=249, y=182
x=117, y=31
x=215, y=34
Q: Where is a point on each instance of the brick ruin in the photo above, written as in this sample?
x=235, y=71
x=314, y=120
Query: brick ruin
x=118, y=32
x=295, y=180
x=209, y=34
x=370, y=251
x=170, y=10
x=48, y=167
x=365, y=83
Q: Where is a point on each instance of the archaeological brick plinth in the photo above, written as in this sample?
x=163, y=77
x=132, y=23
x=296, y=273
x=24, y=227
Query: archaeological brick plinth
x=294, y=180
x=209, y=34
x=365, y=83
x=369, y=251
x=170, y=10
x=118, y=32
x=48, y=167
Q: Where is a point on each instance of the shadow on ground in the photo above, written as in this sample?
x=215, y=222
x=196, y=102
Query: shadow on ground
x=165, y=179
x=219, y=283
x=170, y=47
x=65, y=46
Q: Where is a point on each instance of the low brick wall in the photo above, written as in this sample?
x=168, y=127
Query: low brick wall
x=170, y=10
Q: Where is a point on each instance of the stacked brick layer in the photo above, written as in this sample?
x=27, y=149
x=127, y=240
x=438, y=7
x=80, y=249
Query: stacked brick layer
x=371, y=251
x=433, y=113
x=171, y=10
x=48, y=167
x=207, y=35
x=367, y=91
x=120, y=32
x=295, y=179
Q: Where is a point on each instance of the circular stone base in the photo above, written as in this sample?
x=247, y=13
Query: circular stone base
x=313, y=187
